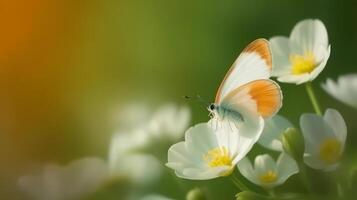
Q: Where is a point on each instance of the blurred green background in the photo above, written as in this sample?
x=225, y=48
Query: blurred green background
x=68, y=67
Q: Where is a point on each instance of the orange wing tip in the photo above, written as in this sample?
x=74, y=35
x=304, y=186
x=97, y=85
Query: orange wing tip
x=261, y=47
x=267, y=95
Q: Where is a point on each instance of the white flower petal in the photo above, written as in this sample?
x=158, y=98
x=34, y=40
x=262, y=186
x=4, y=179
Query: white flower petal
x=246, y=169
x=286, y=166
x=325, y=56
x=200, y=139
x=314, y=130
x=310, y=34
x=297, y=79
x=344, y=89
x=337, y=123
x=272, y=133
x=244, y=146
x=203, y=174
x=280, y=47
x=331, y=87
x=315, y=162
x=228, y=135
x=179, y=157
x=263, y=163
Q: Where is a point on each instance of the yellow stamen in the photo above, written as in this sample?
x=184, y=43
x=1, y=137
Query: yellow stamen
x=303, y=63
x=218, y=157
x=268, y=177
x=330, y=150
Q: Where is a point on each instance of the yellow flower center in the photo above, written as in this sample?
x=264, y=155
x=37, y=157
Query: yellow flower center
x=330, y=150
x=303, y=63
x=218, y=157
x=268, y=177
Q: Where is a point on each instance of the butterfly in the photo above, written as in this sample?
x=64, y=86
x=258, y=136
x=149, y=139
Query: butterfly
x=246, y=91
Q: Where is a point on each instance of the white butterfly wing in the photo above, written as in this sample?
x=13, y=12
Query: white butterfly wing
x=253, y=63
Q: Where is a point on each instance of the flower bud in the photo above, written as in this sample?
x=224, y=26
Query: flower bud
x=293, y=143
x=195, y=194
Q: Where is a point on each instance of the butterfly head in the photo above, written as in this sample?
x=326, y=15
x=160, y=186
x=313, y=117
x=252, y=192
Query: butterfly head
x=211, y=107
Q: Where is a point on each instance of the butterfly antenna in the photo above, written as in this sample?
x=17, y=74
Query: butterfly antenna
x=186, y=97
x=198, y=99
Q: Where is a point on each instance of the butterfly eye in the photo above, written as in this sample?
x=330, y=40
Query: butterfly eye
x=211, y=107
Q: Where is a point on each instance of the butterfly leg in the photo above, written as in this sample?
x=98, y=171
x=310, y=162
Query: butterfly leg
x=229, y=123
x=236, y=125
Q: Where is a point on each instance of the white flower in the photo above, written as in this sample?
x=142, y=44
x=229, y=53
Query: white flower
x=325, y=139
x=170, y=122
x=73, y=181
x=209, y=152
x=272, y=133
x=301, y=57
x=344, y=89
x=266, y=172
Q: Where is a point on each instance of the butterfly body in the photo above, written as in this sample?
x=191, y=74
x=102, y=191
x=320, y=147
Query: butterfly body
x=223, y=113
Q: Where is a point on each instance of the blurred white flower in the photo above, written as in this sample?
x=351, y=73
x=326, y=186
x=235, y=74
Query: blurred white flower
x=170, y=121
x=127, y=157
x=167, y=123
x=139, y=169
x=124, y=161
x=266, y=172
x=155, y=197
x=208, y=152
x=273, y=131
x=325, y=139
x=131, y=141
x=301, y=57
x=130, y=115
x=344, y=89
x=71, y=182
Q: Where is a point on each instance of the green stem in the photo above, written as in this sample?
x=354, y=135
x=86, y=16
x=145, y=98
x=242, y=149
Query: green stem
x=340, y=191
x=336, y=183
x=238, y=183
x=304, y=177
x=271, y=192
x=315, y=104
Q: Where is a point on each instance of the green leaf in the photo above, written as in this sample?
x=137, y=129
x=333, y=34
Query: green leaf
x=247, y=195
